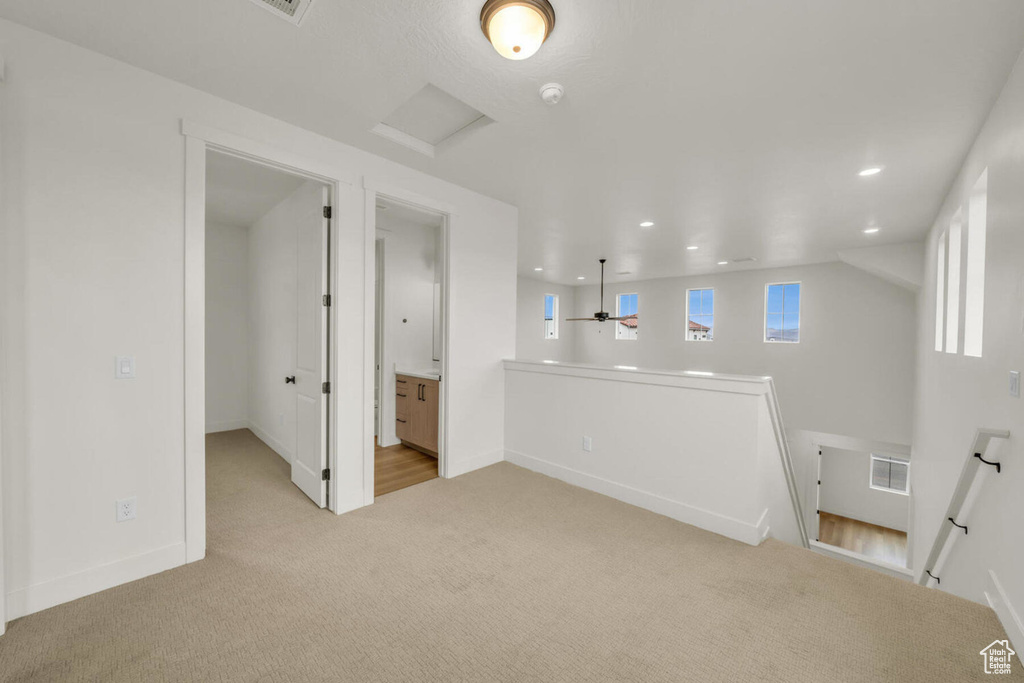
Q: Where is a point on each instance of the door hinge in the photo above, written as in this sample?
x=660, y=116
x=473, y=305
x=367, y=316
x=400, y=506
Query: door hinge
x=327, y=212
x=327, y=299
x=325, y=387
x=325, y=475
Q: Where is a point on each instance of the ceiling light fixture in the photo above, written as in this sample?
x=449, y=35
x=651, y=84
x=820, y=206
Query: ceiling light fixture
x=538, y=269
x=874, y=170
x=871, y=231
x=647, y=224
x=692, y=247
x=517, y=28
x=723, y=263
x=581, y=278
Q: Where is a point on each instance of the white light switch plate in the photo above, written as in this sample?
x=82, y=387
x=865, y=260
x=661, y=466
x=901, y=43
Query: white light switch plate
x=588, y=444
x=1015, y=384
x=124, y=367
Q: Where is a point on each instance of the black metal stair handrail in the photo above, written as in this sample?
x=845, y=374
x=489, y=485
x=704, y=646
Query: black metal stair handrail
x=999, y=468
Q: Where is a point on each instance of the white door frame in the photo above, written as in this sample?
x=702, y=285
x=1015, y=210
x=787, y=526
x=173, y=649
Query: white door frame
x=198, y=139
x=374, y=190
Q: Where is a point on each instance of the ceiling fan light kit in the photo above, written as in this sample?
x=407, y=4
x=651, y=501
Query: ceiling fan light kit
x=517, y=28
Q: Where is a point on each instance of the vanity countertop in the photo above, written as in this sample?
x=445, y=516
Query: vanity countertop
x=421, y=373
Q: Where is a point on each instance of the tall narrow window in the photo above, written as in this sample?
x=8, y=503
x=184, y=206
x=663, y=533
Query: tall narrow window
x=940, y=291
x=550, y=316
x=974, y=304
x=700, y=314
x=953, y=283
x=627, y=306
x=782, y=312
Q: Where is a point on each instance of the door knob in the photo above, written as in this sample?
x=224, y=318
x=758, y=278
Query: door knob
x=289, y=380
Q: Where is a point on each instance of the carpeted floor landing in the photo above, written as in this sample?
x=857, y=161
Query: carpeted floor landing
x=498, y=575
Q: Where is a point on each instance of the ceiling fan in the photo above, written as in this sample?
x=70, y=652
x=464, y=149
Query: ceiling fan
x=602, y=315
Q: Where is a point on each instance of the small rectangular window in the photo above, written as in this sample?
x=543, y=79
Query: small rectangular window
x=627, y=306
x=889, y=474
x=700, y=314
x=782, y=312
x=974, y=305
x=550, y=316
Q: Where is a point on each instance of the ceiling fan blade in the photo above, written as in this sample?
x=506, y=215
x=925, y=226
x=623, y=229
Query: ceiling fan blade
x=574, y=319
x=625, y=317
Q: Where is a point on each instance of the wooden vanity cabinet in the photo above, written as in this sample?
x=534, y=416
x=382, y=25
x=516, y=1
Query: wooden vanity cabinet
x=416, y=411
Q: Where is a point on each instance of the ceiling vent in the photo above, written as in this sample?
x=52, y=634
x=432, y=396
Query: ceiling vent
x=290, y=10
x=431, y=121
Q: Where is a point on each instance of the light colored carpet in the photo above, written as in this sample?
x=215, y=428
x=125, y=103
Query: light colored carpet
x=499, y=575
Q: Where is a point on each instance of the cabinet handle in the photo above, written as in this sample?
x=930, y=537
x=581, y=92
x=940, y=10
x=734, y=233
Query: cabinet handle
x=400, y=381
x=402, y=395
x=398, y=419
x=422, y=392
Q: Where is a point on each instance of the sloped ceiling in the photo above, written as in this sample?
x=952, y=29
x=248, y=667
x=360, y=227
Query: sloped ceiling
x=736, y=126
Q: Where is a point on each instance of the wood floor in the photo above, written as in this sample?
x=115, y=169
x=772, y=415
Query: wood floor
x=878, y=542
x=397, y=467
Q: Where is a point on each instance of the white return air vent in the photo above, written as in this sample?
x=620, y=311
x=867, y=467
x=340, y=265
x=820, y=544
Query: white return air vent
x=289, y=10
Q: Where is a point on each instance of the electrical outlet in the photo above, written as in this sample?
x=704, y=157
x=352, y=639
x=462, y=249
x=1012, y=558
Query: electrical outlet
x=126, y=509
x=1015, y=384
x=588, y=444
x=124, y=367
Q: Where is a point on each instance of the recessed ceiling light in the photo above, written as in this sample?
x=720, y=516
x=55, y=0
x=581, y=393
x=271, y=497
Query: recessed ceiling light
x=581, y=278
x=692, y=247
x=551, y=361
x=538, y=269
x=625, y=367
x=700, y=373
x=723, y=263
x=517, y=28
x=874, y=170
x=870, y=231
x=647, y=224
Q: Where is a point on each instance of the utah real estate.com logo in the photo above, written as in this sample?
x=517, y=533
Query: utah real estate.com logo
x=997, y=657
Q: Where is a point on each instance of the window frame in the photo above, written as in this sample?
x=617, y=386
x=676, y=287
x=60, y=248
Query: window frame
x=799, y=312
x=554, y=316
x=618, y=314
x=686, y=331
x=889, y=459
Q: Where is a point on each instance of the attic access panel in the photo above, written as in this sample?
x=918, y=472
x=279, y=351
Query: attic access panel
x=290, y=10
x=429, y=119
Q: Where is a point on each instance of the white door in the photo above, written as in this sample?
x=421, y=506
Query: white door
x=309, y=465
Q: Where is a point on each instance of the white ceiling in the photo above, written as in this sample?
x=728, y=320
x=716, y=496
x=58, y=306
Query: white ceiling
x=736, y=126
x=239, y=193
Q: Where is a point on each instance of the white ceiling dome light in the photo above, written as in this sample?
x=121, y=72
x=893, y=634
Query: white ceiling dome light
x=551, y=93
x=517, y=28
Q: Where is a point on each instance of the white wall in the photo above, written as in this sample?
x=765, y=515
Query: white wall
x=530, y=341
x=956, y=394
x=852, y=372
x=227, y=339
x=410, y=265
x=845, y=490
x=694, y=449
x=93, y=174
x=272, y=318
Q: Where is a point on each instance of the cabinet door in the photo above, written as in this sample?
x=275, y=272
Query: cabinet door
x=427, y=416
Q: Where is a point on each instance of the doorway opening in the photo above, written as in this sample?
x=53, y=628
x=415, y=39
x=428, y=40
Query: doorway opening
x=267, y=322
x=863, y=503
x=410, y=344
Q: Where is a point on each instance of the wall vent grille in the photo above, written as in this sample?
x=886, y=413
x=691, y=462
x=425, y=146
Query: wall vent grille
x=290, y=10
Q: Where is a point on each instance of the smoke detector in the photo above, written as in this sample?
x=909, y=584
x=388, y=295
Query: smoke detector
x=293, y=11
x=551, y=93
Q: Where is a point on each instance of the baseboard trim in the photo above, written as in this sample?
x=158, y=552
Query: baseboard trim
x=226, y=426
x=48, y=594
x=456, y=469
x=1008, y=616
x=271, y=442
x=714, y=522
x=763, y=527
